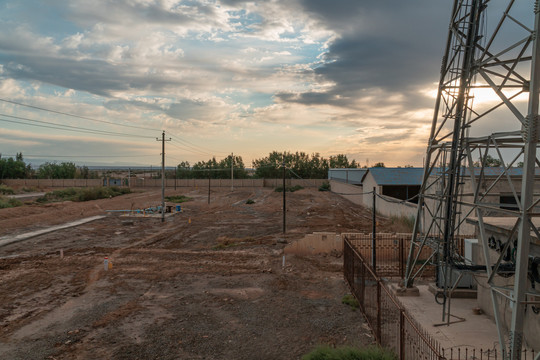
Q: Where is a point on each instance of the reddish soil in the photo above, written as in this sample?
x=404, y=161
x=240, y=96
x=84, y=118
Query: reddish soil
x=207, y=283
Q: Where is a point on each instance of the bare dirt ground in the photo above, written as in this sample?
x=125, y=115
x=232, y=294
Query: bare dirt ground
x=208, y=283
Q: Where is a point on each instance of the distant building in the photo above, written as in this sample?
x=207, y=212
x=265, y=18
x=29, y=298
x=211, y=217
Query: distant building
x=352, y=176
x=399, y=183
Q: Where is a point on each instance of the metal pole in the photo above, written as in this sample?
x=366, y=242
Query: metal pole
x=408, y=281
x=530, y=130
x=209, y=187
x=163, y=176
x=232, y=172
x=374, y=234
x=284, y=199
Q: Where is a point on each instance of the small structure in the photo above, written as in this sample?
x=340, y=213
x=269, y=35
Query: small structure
x=498, y=229
x=348, y=183
x=398, y=183
x=353, y=176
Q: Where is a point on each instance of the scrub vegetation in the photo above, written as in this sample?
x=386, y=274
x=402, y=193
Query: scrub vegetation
x=349, y=353
x=82, y=194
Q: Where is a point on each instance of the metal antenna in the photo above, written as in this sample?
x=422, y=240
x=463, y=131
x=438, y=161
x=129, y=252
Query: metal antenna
x=500, y=62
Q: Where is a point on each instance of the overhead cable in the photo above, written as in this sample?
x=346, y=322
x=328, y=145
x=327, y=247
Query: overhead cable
x=76, y=116
x=68, y=127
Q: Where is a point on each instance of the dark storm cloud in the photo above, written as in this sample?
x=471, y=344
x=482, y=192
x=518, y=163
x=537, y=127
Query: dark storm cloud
x=391, y=45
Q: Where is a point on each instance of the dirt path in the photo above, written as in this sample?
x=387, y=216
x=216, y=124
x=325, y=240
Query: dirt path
x=206, y=284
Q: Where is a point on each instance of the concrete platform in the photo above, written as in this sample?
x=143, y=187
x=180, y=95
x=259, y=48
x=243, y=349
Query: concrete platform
x=476, y=331
x=457, y=293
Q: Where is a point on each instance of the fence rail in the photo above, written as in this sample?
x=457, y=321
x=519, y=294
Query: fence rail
x=392, y=252
x=394, y=328
x=391, y=324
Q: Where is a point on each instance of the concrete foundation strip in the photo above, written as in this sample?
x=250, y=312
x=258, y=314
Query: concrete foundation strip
x=5, y=240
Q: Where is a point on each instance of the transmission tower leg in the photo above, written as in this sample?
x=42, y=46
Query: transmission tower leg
x=524, y=236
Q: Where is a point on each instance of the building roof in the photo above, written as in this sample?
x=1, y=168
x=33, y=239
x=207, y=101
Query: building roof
x=349, y=175
x=397, y=176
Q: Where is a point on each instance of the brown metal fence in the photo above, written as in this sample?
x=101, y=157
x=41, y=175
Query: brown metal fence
x=392, y=251
x=391, y=324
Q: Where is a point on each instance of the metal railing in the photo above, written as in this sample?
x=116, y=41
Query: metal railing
x=392, y=251
x=394, y=328
x=391, y=324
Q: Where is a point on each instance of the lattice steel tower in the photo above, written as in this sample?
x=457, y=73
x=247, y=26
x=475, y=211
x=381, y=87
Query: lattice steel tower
x=486, y=113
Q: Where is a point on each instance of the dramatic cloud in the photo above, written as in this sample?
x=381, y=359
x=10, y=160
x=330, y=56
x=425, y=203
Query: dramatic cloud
x=230, y=75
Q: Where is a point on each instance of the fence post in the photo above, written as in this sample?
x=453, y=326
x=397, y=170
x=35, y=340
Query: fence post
x=374, y=234
x=378, y=331
x=401, y=335
x=401, y=258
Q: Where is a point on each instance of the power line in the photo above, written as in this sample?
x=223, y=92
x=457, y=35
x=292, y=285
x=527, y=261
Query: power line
x=194, y=146
x=76, y=116
x=68, y=127
x=195, y=151
x=186, y=142
x=78, y=156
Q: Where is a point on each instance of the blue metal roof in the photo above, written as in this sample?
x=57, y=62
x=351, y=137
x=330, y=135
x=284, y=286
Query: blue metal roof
x=397, y=176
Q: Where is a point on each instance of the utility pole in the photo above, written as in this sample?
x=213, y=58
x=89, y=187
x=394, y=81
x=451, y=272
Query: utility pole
x=374, y=233
x=208, y=187
x=163, y=174
x=232, y=173
x=284, y=199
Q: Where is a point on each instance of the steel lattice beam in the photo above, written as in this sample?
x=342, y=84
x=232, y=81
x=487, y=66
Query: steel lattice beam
x=503, y=59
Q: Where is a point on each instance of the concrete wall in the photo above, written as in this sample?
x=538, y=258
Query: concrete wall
x=350, y=192
x=237, y=183
x=351, y=176
x=362, y=195
x=51, y=183
x=369, y=183
x=316, y=243
x=493, y=197
x=169, y=183
x=394, y=207
x=531, y=325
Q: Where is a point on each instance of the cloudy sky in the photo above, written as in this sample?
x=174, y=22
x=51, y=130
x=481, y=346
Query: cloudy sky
x=249, y=77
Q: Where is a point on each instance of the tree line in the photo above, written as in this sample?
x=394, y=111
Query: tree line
x=298, y=164
x=18, y=169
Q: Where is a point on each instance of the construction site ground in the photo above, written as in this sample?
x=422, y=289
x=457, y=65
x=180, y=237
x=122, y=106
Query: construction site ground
x=208, y=283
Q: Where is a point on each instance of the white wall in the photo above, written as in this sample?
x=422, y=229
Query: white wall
x=350, y=192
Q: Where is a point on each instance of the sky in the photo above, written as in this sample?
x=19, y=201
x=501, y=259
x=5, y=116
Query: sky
x=219, y=77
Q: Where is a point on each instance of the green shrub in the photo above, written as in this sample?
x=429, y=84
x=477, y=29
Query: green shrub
x=325, y=186
x=6, y=190
x=83, y=194
x=289, y=189
x=351, y=301
x=29, y=189
x=250, y=201
x=9, y=203
x=178, y=198
x=349, y=353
